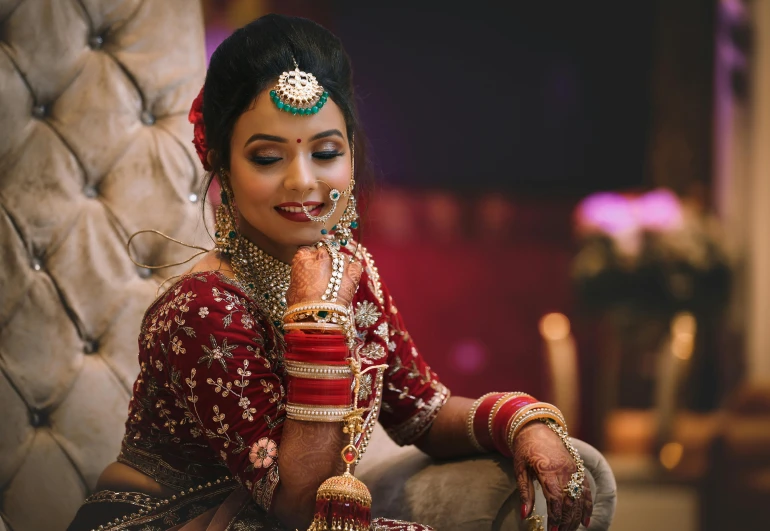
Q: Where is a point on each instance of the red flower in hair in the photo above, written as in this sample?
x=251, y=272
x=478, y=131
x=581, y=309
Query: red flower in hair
x=199, y=130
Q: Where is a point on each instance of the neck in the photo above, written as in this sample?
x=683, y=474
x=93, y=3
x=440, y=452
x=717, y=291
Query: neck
x=284, y=253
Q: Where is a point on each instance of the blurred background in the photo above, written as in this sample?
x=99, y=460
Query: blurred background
x=573, y=200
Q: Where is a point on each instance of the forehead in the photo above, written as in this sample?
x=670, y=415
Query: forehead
x=264, y=117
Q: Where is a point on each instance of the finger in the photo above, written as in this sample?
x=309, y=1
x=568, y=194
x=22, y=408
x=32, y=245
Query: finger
x=588, y=503
x=350, y=278
x=302, y=254
x=554, y=496
x=570, y=516
x=526, y=489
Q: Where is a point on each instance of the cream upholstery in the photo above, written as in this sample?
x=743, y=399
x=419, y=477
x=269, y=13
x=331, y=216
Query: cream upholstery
x=95, y=145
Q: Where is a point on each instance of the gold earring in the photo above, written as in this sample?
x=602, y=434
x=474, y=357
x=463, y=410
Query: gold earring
x=225, y=228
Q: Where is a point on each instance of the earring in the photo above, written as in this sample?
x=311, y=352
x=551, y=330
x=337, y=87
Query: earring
x=225, y=230
x=349, y=220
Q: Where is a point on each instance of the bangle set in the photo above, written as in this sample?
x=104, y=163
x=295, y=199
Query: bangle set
x=495, y=420
x=318, y=377
x=326, y=316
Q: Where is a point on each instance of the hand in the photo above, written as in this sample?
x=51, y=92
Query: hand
x=311, y=270
x=539, y=453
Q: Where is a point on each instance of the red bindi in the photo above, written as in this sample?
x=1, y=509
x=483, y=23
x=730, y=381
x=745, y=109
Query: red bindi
x=299, y=140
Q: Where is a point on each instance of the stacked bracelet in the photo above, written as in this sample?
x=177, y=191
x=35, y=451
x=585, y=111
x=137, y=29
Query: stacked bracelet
x=535, y=411
x=495, y=419
x=471, y=416
x=318, y=377
x=322, y=315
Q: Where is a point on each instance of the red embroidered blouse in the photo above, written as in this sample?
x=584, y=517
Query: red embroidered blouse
x=209, y=399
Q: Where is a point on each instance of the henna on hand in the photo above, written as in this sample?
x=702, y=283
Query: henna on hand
x=538, y=451
x=309, y=454
x=311, y=270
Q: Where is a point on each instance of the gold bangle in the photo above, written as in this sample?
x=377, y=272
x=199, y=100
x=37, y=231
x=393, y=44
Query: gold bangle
x=498, y=405
x=469, y=421
x=537, y=405
x=317, y=413
x=538, y=410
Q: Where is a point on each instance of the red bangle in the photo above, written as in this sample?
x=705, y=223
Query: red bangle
x=319, y=392
x=324, y=348
x=500, y=422
x=481, y=419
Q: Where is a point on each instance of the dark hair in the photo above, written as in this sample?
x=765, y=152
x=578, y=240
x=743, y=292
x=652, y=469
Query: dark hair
x=254, y=56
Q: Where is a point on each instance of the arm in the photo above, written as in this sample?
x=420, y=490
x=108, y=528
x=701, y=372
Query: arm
x=310, y=454
x=448, y=435
x=310, y=451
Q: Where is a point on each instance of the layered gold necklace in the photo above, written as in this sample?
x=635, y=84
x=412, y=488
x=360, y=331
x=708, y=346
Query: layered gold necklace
x=265, y=279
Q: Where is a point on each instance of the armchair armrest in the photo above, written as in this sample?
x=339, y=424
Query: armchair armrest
x=476, y=493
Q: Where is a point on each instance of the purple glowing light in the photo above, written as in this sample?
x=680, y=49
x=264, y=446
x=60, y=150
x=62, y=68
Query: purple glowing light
x=616, y=214
x=658, y=210
x=609, y=212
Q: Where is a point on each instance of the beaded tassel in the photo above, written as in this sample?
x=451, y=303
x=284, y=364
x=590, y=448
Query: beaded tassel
x=343, y=502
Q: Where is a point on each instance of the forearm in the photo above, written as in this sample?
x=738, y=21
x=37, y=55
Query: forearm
x=448, y=436
x=309, y=455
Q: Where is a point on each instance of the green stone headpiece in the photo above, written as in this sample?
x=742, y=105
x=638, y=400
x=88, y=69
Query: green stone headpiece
x=299, y=93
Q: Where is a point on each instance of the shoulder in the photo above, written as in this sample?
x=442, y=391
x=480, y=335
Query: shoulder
x=194, y=291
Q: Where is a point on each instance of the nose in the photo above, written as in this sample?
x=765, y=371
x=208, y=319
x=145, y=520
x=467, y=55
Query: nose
x=299, y=177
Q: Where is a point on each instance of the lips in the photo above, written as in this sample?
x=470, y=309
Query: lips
x=293, y=211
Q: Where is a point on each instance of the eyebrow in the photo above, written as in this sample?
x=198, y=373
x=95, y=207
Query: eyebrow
x=273, y=138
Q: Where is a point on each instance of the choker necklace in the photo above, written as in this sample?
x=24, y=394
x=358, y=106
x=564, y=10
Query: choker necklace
x=265, y=279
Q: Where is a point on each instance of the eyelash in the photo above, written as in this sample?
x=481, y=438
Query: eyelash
x=320, y=155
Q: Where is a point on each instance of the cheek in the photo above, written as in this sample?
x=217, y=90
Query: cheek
x=252, y=190
x=337, y=177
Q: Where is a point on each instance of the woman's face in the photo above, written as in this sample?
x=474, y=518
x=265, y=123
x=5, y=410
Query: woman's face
x=277, y=162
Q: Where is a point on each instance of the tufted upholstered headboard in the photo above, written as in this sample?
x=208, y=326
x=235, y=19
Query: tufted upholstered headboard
x=94, y=145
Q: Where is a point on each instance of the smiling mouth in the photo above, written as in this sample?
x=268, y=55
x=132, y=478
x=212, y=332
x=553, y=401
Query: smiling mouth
x=298, y=209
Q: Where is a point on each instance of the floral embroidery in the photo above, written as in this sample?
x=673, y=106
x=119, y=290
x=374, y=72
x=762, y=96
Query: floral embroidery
x=159, y=365
x=373, y=351
x=217, y=353
x=366, y=314
x=247, y=321
x=227, y=387
x=203, y=312
x=263, y=453
x=164, y=414
x=176, y=346
x=365, y=387
x=382, y=331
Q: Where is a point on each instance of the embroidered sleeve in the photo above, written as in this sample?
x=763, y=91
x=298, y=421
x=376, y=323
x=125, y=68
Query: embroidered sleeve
x=412, y=392
x=222, y=368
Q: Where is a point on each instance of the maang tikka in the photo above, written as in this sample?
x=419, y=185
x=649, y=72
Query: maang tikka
x=299, y=93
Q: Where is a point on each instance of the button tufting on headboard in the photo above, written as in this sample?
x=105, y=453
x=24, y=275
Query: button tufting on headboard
x=80, y=170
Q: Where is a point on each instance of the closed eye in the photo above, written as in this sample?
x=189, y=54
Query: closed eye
x=265, y=161
x=327, y=155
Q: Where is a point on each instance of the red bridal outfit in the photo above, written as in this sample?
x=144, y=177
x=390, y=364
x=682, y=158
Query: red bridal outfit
x=208, y=405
